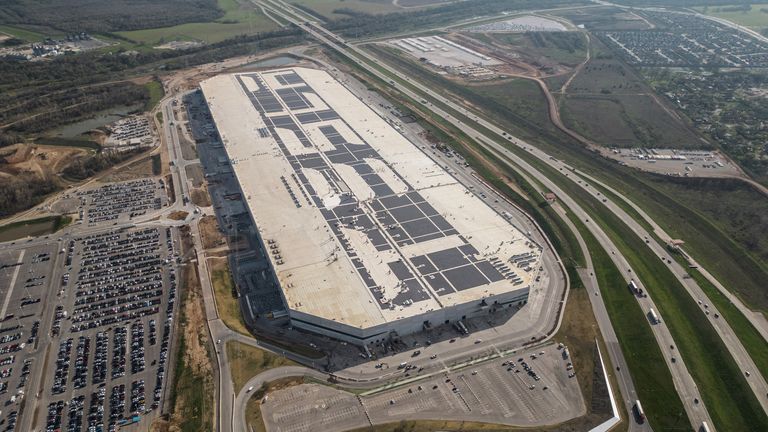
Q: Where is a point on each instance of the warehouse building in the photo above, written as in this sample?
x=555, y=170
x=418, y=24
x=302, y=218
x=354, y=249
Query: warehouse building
x=368, y=237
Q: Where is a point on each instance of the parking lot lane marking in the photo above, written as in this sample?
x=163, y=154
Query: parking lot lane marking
x=13, y=282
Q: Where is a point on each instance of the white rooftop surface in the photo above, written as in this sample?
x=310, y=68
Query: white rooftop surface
x=525, y=23
x=443, y=52
x=317, y=276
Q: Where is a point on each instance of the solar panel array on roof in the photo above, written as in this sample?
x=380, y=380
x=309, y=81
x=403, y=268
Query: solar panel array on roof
x=389, y=220
x=294, y=98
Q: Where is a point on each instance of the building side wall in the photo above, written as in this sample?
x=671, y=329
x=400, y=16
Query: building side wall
x=405, y=326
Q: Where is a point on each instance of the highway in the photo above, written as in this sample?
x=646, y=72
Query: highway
x=683, y=381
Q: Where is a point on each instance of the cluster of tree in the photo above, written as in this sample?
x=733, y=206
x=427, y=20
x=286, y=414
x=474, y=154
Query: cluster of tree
x=681, y=3
x=737, y=8
x=93, y=67
x=361, y=24
x=566, y=41
x=11, y=42
x=68, y=88
x=41, y=113
x=23, y=191
x=106, y=16
x=722, y=104
x=82, y=168
x=9, y=138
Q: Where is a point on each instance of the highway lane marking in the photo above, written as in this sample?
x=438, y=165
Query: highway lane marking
x=13, y=282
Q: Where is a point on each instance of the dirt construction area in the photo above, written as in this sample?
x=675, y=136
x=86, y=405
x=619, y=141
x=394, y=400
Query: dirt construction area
x=527, y=390
x=44, y=161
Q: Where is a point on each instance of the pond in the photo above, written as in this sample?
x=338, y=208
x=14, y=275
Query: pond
x=271, y=62
x=99, y=119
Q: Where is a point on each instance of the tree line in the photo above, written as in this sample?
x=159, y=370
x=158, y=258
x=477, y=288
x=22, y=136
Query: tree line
x=107, y=16
x=359, y=24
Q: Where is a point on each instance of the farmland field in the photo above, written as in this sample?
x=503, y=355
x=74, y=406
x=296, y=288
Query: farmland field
x=756, y=18
x=25, y=34
x=567, y=48
x=239, y=18
x=609, y=103
x=626, y=121
x=326, y=8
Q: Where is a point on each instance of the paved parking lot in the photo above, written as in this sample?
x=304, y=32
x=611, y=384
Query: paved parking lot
x=85, y=329
x=121, y=202
x=530, y=389
x=110, y=330
x=25, y=275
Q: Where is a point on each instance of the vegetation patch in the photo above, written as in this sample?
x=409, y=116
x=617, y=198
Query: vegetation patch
x=156, y=92
x=191, y=399
x=247, y=361
x=95, y=16
x=85, y=167
x=67, y=142
x=157, y=167
x=336, y=9
x=568, y=48
x=754, y=16
x=227, y=303
x=33, y=227
x=210, y=233
x=650, y=374
x=23, y=191
x=240, y=18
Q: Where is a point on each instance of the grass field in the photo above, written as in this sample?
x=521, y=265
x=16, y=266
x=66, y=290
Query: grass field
x=603, y=74
x=155, y=94
x=26, y=34
x=611, y=105
x=191, y=396
x=246, y=361
x=33, y=227
x=625, y=121
x=568, y=48
x=756, y=18
x=326, y=7
x=650, y=375
x=238, y=19
x=226, y=303
x=517, y=95
x=729, y=400
x=751, y=339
